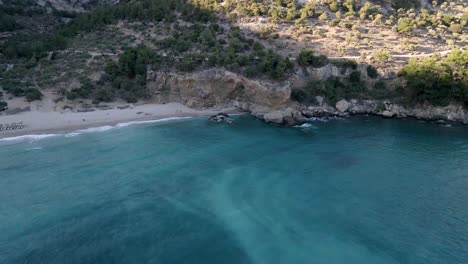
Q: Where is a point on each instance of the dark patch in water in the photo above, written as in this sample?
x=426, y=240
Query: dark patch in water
x=338, y=160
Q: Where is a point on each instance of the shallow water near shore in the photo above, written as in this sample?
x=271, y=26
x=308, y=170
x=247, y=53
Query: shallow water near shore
x=359, y=190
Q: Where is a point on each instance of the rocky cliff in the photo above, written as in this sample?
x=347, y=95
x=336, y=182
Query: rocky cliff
x=270, y=100
x=218, y=87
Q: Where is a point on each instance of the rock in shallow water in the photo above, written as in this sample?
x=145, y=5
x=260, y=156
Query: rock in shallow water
x=388, y=114
x=274, y=117
x=221, y=117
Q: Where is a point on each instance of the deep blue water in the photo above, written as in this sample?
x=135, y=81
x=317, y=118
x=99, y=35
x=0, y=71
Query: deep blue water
x=362, y=190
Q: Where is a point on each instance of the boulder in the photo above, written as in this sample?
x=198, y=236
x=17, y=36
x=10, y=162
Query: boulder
x=388, y=114
x=274, y=117
x=343, y=106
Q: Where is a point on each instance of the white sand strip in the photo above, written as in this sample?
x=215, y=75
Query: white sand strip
x=37, y=122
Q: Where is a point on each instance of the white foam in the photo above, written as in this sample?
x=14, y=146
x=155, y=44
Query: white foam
x=126, y=124
x=36, y=148
x=89, y=130
x=307, y=125
x=28, y=137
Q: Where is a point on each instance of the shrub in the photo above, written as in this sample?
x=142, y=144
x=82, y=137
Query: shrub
x=438, y=80
x=372, y=72
x=366, y=10
x=17, y=91
x=186, y=64
x=307, y=58
x=345, y=64
x=7, y=23
x=334, y=7
x=355, y=77
x=349, y=4
x=298, y=95
x=83, y=92
x=381, y=107
x=382, y=55
x=103, y=95
x=33, y=94
x=456, y=28
x=323, y=16
x=3, y=106
x=405, y=25
x=380, y=91
x=334, y=22
x=405, y=4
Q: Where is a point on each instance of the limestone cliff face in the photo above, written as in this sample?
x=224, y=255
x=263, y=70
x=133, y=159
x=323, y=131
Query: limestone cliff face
x=217, y=87
x=303, y=75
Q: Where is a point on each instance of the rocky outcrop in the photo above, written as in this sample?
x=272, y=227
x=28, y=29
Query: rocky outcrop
x=218, y=87
x=455, y=113
x=270, y=100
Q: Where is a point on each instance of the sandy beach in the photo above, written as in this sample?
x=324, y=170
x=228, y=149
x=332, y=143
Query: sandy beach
x=48, y=122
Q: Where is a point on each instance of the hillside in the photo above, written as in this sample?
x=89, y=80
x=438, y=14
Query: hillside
x=87, y=52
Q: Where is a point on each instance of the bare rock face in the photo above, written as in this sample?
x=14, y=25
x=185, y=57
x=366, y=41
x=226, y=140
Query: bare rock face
x=324, y=72
x=217, y=87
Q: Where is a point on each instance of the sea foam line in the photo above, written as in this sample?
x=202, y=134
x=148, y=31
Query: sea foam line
x=88, y=130
x=28, y=137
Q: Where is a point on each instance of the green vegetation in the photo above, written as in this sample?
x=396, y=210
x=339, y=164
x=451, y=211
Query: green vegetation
x=372, y=72
x=382, y=56
x=404, y=4
x=200, y=44
x=3, y=106
x=32, y=94
x=144, y=10
x=128, y=76
x=438, y=80
x=8, y=23
x=307, y=58
x=22, y=89
x=345, y=64
x=405, y=25
x=367, y=10
x=333, y=90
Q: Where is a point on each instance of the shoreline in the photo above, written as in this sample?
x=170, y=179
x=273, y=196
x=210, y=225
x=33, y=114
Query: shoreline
x=45, y=123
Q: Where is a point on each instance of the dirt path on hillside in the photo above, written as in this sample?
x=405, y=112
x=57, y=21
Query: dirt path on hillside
x=404, y=56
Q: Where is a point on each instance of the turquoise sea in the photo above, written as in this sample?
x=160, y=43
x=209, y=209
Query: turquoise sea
x=360, y=190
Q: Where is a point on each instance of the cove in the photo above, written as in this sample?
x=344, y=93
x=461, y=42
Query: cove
x=358, y=190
